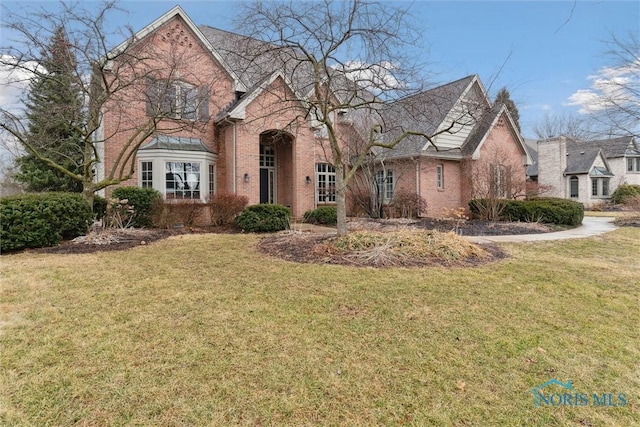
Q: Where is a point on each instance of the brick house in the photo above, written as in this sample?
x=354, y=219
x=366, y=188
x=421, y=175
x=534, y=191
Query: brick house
x=587, y=171
x=237, y=126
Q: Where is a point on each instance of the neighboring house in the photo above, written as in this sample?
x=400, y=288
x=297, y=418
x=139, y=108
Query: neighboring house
x=241, y=140
x=587, y=171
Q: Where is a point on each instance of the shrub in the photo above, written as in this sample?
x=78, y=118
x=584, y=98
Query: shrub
x=264, y=218
x=119, y=214
x=625, y=192
x=99, y=207
x=40, y=220
x=407, y=205
x=322, y=215
x=224, y=208
x=546, y=210
x=141, y=199
x=168, y=214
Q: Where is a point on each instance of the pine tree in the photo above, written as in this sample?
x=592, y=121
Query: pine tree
x=54, y=114
x=503, y=97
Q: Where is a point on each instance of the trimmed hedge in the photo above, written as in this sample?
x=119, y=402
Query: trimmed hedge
x=264, y=218
x=625, y=192
x=322, y=215
x=39, y=220
x=546, y=210
x=141, y=199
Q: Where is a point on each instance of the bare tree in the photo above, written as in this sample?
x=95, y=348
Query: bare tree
x=494, y=178
x=570, y=125
x=130, y=83
x=349, y=64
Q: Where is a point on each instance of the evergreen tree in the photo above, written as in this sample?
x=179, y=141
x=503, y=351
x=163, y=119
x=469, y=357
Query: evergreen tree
x=503, y=97
x=54, y=115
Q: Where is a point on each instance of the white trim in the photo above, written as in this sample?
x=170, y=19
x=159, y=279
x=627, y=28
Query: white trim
x=159, y=157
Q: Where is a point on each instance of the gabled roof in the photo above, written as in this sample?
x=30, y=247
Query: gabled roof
x=617, y=147
x=482, y=130
x=237, y=109
x=177, y=11
x=423, y=112
x=581, y=157
x=253, y=60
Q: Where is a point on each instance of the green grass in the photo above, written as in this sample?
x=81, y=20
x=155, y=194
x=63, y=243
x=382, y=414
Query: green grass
x=201, y=330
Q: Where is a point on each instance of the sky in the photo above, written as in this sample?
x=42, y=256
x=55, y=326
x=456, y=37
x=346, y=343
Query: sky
x=548, y=54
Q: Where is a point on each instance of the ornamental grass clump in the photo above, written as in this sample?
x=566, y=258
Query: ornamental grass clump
x=395, y=248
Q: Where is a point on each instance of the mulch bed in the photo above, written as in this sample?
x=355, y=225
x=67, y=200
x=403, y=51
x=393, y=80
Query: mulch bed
x=316, y=249
x=309, y=247
x=464, y=228
x=103, y=240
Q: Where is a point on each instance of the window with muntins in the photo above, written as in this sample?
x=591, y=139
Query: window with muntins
x=212, y=180
x=385, y=184
x=573, y=187
x=177, y=100
x=146, y=172
x=440, y=176
x=182, y=180
x=326, y=183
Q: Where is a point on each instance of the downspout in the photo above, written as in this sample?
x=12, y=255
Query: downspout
x=417, y=161
x=235, y=177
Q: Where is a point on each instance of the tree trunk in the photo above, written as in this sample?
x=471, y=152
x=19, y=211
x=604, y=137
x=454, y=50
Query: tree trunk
x=88, y=192
x=341, y=200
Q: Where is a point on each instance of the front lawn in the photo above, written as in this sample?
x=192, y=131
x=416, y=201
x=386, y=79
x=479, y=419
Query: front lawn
x=202, y=330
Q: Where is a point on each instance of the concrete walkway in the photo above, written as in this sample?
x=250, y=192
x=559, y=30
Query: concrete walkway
x=591, y=226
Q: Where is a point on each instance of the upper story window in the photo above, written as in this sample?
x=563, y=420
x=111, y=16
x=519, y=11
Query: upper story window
x=177, y=100
x=633, y=164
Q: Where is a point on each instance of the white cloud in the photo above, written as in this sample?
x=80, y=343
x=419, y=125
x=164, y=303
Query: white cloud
x=612, y=86
x=372, y=76
x=14, y=81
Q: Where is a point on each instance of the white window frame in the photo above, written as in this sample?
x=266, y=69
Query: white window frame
x=385, y=183
x=212, y=179
x=186, y=180
x=160, y=157
x=325, y=183
x=602, y=187
x=146, y=174
x=440, y=176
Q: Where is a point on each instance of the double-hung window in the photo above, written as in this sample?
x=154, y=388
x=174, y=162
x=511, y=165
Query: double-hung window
x=146, y=180
x=385, y=184
x=177, y=100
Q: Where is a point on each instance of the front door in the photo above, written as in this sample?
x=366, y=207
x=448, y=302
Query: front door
x=267, y=174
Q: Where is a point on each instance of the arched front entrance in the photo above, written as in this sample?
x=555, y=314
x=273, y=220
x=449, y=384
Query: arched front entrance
x=276, y=167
